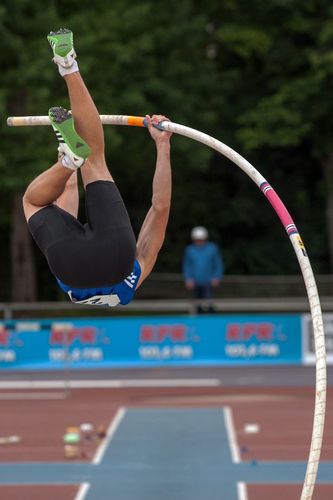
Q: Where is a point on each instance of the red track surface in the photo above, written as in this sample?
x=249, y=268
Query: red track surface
x=284, y=415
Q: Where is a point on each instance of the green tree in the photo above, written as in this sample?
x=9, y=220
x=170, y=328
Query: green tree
x=254, y=75
x=22, y=154
x=139, y=59
x=278, y=70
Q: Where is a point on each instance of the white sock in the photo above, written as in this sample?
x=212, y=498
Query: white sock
x=67, y=162
x=67, y=71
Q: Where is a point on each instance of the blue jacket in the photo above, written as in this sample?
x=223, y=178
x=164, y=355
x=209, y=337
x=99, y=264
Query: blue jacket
x=202, y=263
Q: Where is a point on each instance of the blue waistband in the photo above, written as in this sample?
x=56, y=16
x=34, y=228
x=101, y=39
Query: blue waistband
x=125, y=289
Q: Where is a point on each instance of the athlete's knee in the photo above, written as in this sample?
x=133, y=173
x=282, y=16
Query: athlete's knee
x=28, y=208
x=25, y=197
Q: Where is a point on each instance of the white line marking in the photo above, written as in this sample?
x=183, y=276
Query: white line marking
x=170, y=383
x=251, y=428
x=234, y=449
x=83, y=490
x=98, y=457
x=115, y=422
x=231, y=433
x=95, y=384
x=242, y=491
x=7, y=396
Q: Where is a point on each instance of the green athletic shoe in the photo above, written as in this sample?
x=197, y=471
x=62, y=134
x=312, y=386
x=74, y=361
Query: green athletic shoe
x=61, y=42
x=71, y=145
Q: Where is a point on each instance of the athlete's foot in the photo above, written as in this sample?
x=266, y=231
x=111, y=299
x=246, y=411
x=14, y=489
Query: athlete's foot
x=61, y=42
x=74, y=149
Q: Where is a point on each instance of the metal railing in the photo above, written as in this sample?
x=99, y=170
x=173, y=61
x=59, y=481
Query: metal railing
x=12, y=310
x=164, y=293
x=171, y=285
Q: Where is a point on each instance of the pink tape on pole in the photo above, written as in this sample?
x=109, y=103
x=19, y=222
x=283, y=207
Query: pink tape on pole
x=279, y=208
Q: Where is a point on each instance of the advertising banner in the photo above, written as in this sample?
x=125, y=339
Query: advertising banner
x=151, y=341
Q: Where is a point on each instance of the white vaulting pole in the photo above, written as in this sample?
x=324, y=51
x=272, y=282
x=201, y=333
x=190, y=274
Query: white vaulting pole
x=301, y=254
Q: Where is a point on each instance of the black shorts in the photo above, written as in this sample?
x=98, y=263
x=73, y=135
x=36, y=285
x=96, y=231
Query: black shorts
x=99, y=253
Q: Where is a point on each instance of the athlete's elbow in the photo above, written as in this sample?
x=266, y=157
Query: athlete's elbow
x=162, y=207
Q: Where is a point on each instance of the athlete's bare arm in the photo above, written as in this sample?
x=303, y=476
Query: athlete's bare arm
x=152, y=233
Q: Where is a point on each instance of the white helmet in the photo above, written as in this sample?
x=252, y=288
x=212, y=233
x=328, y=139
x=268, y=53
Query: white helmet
x=199, y=233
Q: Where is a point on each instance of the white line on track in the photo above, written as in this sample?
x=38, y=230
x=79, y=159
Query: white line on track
x=115, y=422
x=242, y=491
x=31, y=396
x=231, y=433
x=98, y=457
x=234, y=449
x=95, y=384
x=83, y=490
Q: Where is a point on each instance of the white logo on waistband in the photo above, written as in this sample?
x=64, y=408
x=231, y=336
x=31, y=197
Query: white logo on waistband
x=130, y=280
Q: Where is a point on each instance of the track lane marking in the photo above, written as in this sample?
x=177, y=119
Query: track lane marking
x=242, y=491
x=98, y=457
x=83, y=490
x=95, y=384
x=234, y=449
x=231, y=433
x=115, y=422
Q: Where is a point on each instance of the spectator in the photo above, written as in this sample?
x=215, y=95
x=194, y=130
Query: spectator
x=203, y=267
